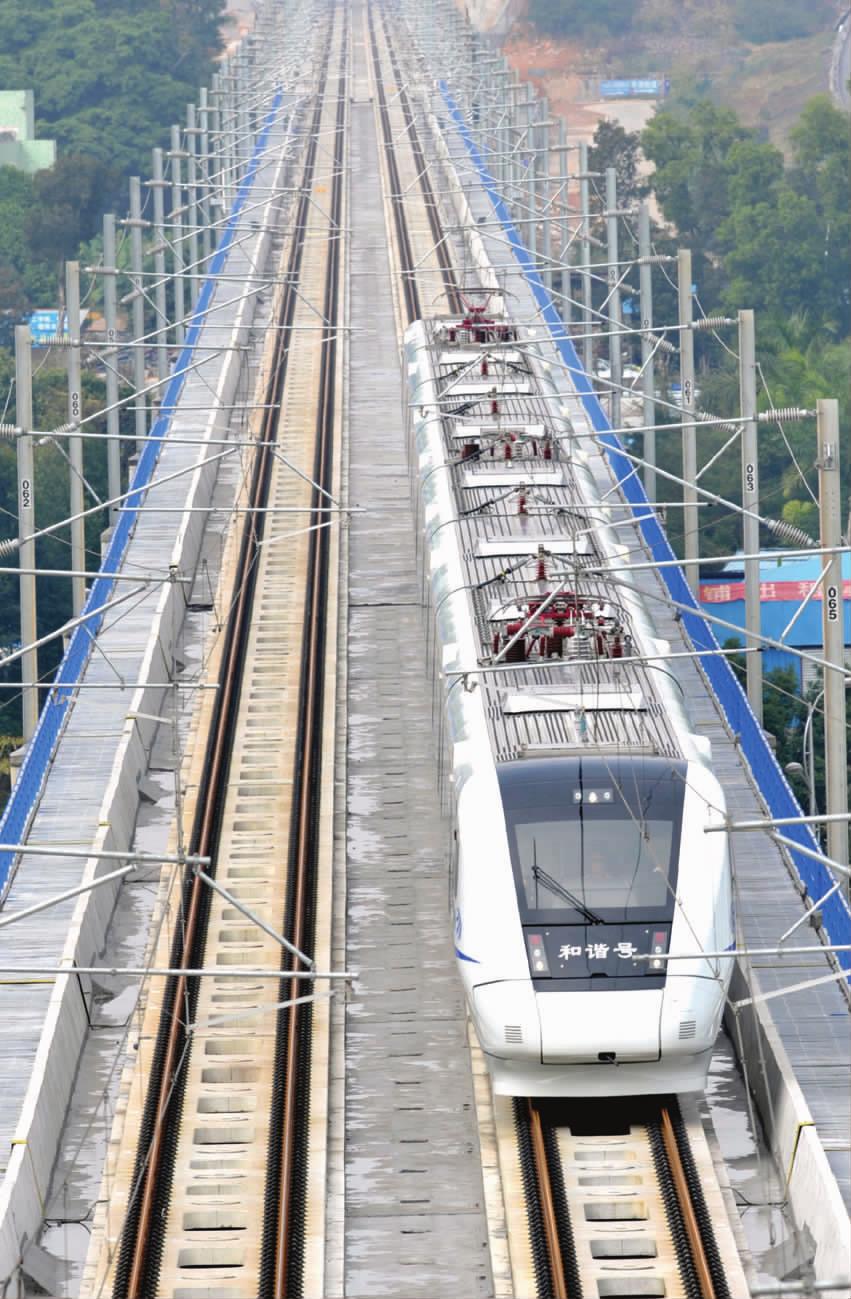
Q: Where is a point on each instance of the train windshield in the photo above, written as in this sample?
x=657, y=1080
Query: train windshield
x=594, y=840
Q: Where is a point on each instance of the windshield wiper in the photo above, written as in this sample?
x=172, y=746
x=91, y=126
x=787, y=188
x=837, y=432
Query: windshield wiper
x=560, y=891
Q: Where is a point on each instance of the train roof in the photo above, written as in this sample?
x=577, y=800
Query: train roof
x=571, y=677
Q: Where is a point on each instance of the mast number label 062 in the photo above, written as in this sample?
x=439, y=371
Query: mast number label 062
x=26, y=494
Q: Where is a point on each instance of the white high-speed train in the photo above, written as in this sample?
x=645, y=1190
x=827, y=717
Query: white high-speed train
x=580, y=792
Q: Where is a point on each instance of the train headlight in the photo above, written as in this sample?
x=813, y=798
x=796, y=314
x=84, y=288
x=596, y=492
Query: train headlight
x=538, y=962
x=659, y=947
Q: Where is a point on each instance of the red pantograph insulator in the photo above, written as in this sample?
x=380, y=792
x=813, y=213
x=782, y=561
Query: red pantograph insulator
x=521, y=503
x=517, y=652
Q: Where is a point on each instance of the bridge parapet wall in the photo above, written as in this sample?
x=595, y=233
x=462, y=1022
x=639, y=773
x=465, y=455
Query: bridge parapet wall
x=155, y=626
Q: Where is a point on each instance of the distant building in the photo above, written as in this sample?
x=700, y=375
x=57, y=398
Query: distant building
x=784, y=585
x=18, y=145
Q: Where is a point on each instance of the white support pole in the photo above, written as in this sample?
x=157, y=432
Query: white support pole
x=526, y=192
x=158, y=185
x=26, y=523
x=244, y=125
x=750, y=502
x=648, y=375
x=75, y=443
x=546, y=190
x=216, y=153
x=614, y=305
x=176, y=234
x=833, y=629
x=227, y=126
x=192, y=200
x=565, y=256
x=690, y=523
x=110, y=315
x=136, y=267
x=28, y=972
x=206, y=169
x=585, y=250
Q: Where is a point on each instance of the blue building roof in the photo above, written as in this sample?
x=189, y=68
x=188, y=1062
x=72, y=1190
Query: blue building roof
x=784, y=585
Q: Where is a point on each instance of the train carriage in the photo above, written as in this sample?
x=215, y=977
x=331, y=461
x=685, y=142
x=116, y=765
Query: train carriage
x=580, y=792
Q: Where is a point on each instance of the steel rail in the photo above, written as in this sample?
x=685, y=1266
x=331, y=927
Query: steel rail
x=556, y=1267
x=403, y=239
x=141, y=1243
x=546, y=1197
x=705, y=1258
x=282, y=1251
x=684, y=1199
x=447, y=271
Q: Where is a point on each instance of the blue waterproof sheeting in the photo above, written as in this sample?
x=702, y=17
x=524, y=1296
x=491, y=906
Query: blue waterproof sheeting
x=24, y=798
x=772, y=782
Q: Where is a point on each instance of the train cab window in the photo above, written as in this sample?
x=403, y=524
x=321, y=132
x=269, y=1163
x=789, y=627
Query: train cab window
x=594, y=841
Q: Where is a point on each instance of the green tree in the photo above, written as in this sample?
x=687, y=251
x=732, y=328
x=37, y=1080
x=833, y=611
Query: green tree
x=696, y=155
x=111, y=74
x=615, y=147
x=110, y=77
x=774, y=256
x=783, y=716
x=68, y=200
x=770, y=238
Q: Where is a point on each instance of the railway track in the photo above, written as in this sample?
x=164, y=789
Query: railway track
x=230, y=1112
x=281, y=1267
x=614, y=1202
x=409, y=265
x=404, y=251
x=221, y=1195
x=615, y=1212
x=447, y=270
x=220, y=1200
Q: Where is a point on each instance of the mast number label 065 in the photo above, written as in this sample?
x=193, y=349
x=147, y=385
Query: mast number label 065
x=832, y=596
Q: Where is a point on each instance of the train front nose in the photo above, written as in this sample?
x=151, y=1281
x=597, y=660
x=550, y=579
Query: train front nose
x=599, y=1027
x=507, y=1020
x=516, y=1022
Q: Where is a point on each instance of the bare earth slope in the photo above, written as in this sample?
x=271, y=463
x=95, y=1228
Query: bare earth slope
x=693, y=42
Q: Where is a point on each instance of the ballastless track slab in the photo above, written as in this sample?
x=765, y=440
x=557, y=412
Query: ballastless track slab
x=414, y=1219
